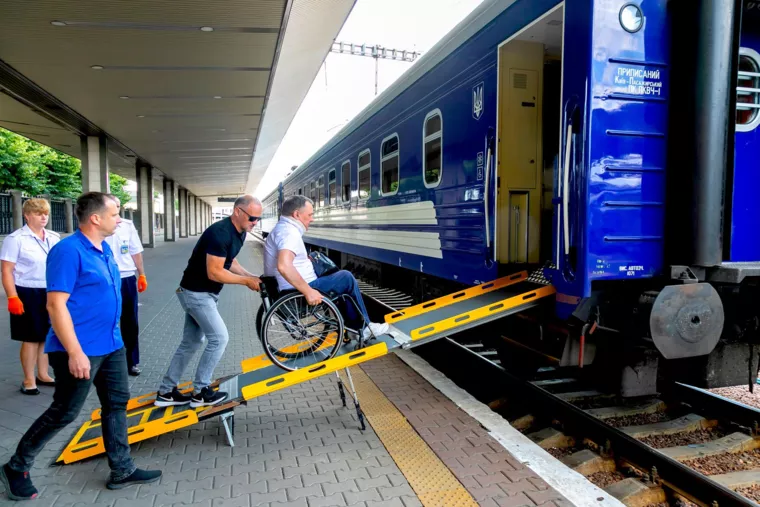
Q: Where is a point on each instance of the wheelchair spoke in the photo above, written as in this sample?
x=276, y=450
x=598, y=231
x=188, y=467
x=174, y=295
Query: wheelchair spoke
x=297, y=335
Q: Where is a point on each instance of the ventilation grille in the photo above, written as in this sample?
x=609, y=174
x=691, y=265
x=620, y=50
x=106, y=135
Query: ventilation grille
x=748, y=93
x=520, y=81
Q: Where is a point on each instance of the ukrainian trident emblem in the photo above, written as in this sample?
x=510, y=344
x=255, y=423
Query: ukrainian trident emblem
x=477, y=101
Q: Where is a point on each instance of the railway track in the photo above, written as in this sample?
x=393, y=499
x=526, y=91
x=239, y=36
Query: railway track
x=685, y=447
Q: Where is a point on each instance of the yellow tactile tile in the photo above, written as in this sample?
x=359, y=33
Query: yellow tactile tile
x=430, y=479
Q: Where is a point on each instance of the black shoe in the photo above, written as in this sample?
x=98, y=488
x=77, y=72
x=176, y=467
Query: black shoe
x=18, y=485
x=137, y=477
x=30, y=391
x=170, y=399
x=207, y=396
x=135, y=371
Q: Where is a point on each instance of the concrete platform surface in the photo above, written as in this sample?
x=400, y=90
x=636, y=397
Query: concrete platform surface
x=298, y=446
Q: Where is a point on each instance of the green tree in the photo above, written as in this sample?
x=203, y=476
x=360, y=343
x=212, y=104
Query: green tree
x=64, y=174
x=36, y=169
x=21, y=164
x=117, y=188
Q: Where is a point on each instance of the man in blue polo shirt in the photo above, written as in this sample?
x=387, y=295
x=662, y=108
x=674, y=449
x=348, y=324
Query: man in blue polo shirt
x=85, y=347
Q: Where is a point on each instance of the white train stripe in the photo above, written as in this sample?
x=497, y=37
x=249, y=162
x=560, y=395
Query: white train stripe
x=427, y=244
x=416, y=213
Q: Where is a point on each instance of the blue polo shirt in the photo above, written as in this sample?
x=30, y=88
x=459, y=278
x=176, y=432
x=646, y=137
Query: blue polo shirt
x=92, y=279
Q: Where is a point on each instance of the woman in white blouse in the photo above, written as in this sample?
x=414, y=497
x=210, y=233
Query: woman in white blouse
x=23, y=258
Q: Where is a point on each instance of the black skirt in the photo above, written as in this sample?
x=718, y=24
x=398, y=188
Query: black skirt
x=34, y=324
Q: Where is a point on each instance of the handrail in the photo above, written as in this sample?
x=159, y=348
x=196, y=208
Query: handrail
x=565, y=191
x=487, y=201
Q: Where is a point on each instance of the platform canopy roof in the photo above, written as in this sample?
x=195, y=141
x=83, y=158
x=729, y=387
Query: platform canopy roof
x=202, y=90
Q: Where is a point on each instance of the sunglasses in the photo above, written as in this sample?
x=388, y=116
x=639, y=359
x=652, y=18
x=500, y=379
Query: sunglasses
x=251, y=218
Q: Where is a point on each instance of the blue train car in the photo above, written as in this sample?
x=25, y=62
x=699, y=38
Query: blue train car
x=605, y=142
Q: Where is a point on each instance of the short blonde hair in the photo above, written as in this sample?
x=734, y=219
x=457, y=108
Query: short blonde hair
x=40, y=206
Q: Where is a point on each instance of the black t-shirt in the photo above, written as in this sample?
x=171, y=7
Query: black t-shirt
x=221, y=240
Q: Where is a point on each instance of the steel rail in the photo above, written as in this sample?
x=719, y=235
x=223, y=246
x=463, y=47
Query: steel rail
x=715, y=405
x=457, y=362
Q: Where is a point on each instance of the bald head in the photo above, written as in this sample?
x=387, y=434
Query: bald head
x=246, y=200
x=246, y=213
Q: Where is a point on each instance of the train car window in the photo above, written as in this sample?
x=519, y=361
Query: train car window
x=345, y=181
x=432, y=148
x=389, y=165
x=363, y=173
x=748, y=91
x=300, y=191
x=313, y=194
x=332, y=194
x=321, y=191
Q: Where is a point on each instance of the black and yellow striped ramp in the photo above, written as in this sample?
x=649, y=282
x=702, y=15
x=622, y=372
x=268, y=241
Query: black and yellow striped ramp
x=412, y=326
x=467, y=308
x=259, y=377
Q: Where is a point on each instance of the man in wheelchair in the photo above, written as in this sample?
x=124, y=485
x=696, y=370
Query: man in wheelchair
x=286, y=259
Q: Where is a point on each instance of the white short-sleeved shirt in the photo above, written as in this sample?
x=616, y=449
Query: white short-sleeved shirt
x=125, y=243
x=287, y=235
x=29, y=253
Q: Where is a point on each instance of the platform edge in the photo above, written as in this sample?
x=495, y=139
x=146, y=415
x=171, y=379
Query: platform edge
x=573, y=486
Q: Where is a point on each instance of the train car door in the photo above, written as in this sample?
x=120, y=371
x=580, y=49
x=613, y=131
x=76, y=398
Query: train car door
x=523, y=125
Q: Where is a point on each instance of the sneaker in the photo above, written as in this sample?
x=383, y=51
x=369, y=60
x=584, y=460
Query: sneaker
x=18, y=485
x=375, y=329
x=206, y=397
x=170, y=399
x=136, y=477
x=135, y=371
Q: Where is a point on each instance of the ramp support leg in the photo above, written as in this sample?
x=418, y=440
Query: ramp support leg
x=228, y=421
x=359, y=412
x=341, y=390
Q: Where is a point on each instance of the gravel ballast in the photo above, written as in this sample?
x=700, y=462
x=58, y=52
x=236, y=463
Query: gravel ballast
x=686, y=438
x=740, y=394
x=726, y=462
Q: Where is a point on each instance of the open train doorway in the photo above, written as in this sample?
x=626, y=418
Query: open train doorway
x=529, y=98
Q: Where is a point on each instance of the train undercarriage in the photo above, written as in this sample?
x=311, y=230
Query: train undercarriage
x=705, y=334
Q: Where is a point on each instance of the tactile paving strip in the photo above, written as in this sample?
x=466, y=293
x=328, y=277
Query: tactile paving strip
x=430, y=479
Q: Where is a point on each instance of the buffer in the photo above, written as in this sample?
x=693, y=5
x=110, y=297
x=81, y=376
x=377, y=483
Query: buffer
x=411, y=327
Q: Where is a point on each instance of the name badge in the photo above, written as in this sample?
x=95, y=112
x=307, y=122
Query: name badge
x=124, y=249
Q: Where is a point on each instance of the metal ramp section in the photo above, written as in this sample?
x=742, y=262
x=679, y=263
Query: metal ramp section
x=466, y=309
x=411, y=326
x=259, y=377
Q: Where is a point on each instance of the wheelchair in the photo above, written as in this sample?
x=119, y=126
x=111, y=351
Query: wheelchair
x=297, y=335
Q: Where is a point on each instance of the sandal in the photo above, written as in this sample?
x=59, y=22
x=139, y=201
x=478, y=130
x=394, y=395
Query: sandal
x=45, y=382
x=31, y=392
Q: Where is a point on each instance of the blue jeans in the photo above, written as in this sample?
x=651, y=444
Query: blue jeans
x=109, y=374
x=343, y=282
x=201, y=319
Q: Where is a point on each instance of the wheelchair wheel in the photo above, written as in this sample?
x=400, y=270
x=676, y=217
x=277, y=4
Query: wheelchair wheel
x=296, y=335
x=259, y=320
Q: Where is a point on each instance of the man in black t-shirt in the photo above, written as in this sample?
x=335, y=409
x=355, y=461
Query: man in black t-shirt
x=211, y=265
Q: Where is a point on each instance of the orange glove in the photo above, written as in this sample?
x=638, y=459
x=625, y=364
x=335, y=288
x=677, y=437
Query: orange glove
x=142, y=283
x=15, y=306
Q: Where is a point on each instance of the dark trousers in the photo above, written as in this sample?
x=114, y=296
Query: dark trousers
x=129, y=326
x=343, y=282
x=109, y=374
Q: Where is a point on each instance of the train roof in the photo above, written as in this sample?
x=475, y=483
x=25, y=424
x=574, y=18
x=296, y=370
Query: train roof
x=464, y=30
